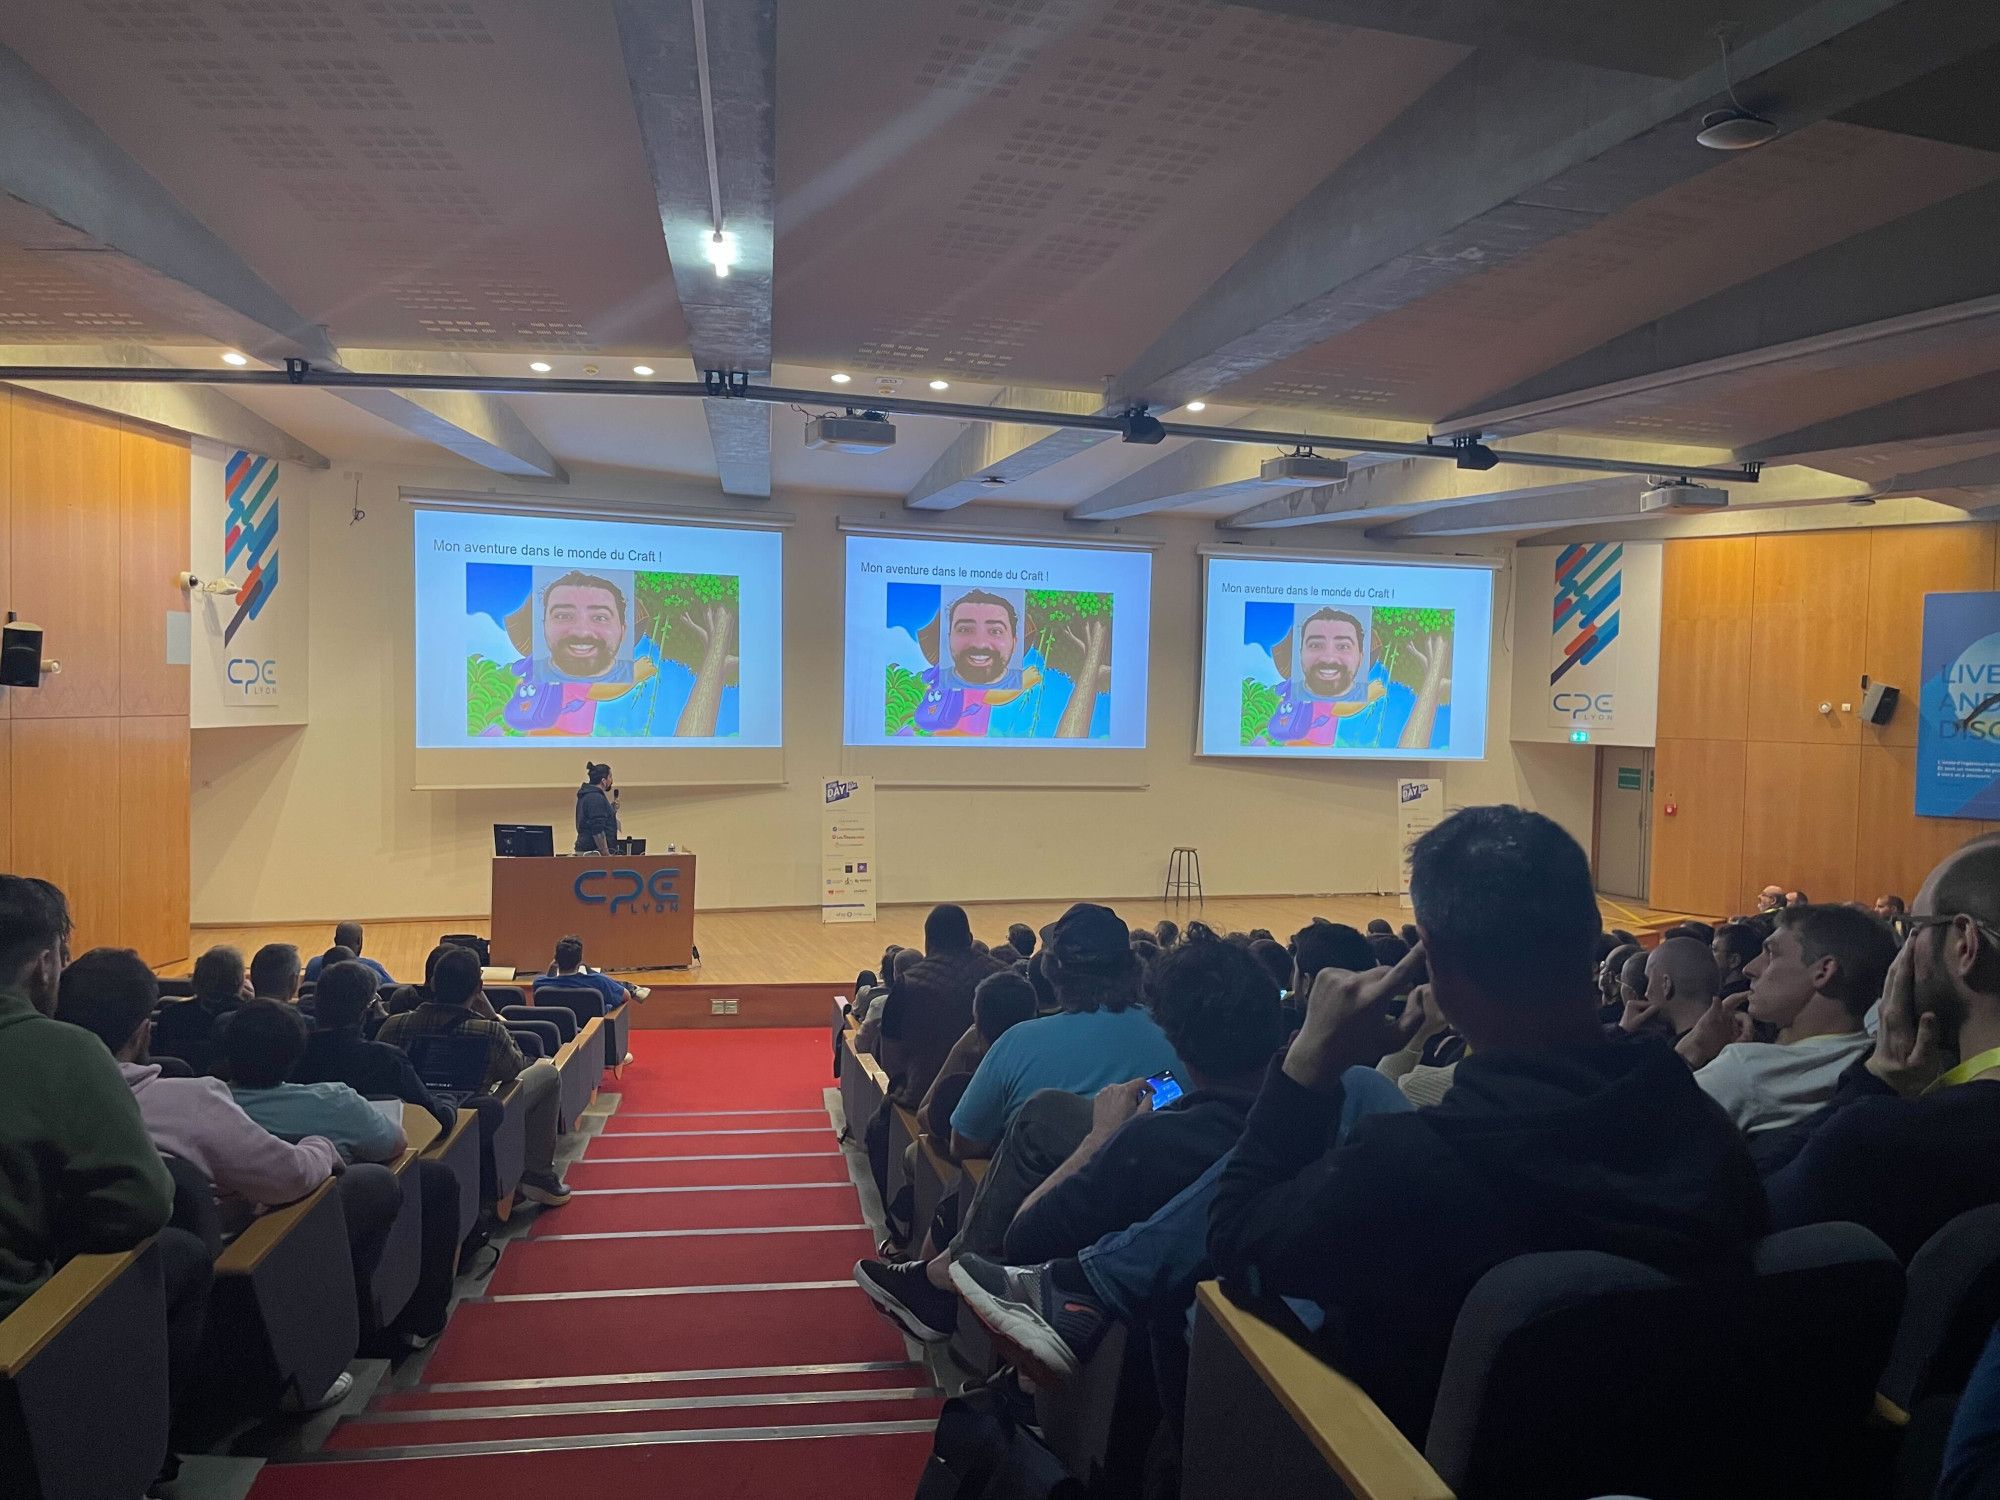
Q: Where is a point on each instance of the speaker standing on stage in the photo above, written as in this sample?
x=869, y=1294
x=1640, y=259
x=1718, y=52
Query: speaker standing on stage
x=596, y=818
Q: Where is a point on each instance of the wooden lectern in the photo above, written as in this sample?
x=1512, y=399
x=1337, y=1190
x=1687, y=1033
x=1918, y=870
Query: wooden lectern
x=633, y=911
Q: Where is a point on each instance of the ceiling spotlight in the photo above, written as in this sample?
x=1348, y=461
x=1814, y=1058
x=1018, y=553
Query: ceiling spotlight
x=1734, y=128
x=841, y=377
x=940, y=385
x=1197, y=406
x=1140, y=428
x=720, y=251
x=1470, y=453
x=231, y=357
x=642, y=369
x=540, y=366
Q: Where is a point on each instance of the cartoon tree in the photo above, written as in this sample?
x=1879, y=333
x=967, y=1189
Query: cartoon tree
x=1423, y=635
x=488, y=687
x=904, y=691
x=1260, y=701
x=1072, y=631
x=692, y=618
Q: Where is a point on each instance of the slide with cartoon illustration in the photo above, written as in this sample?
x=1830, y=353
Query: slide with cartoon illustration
x=1337, y=659
x=538, y=631
x=964, y=643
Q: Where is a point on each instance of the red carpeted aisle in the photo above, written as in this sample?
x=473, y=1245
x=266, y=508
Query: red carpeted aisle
x=686, y=1326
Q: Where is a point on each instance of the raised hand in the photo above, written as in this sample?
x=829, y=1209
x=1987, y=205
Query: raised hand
x=1715, y=1030
x=1909, y=1054
x=1347, y=1024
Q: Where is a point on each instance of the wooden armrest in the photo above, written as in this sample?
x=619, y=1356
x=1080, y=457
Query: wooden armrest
x=420, y=1128
x=1372, y=1459
x=912, y=1126
x=29, y=1328
x=589, y=1029
x=874, y=1070
x=247, y=1251
x=941, y=1163
x=975, y=1167
x=468, y=1119
x=1889, y=1413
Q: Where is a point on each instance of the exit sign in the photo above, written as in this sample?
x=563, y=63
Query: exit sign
x=1628, y=779
x=1579, y=736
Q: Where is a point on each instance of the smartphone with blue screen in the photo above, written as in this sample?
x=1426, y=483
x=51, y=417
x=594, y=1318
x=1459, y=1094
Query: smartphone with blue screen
x=1164, y=1087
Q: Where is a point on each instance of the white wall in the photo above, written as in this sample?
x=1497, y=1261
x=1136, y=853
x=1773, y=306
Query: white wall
x=321, y=822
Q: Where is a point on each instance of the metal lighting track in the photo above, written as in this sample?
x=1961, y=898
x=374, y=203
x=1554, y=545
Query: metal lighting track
x=299, y=373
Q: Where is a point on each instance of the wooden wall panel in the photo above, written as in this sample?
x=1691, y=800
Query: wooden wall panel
x=7, y=695
x=64, y=566
x=1808, y=631
x=1894, y=848
x=6, y=794
x=1905, y=563
x=153, y=541
x=153, y=837
x=1705, y=637
x=65, y=779
x=1799, y=817
x=1697, y=852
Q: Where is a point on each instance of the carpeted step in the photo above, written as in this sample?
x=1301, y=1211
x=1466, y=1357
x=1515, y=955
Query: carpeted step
x=747, y=1380
x=633, y=1117
x=548, y=1340
x=754, y=1207
x=555, y=1265
x=515, y=1421
x=610, y=1145
x=591, y=1175
x=823, y=1465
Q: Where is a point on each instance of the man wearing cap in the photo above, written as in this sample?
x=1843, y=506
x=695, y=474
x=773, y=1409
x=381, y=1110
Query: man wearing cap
x=1031, y=1098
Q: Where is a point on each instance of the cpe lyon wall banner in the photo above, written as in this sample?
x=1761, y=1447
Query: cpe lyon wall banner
x=1587, y=642
x=247, y=647
x=1958, y=708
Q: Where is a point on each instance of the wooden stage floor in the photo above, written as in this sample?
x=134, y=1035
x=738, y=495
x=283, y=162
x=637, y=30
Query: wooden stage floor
x=784, y=963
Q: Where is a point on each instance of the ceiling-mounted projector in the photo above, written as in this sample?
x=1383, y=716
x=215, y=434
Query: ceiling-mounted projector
x=857, y=432
x=1677, y=497
x=1298, y=470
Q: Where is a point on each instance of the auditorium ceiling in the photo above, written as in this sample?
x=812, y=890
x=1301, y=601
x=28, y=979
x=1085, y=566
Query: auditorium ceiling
x=1355, y=217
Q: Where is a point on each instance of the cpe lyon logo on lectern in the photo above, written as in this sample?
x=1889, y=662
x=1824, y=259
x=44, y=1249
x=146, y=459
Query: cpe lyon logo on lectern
x=628, y=891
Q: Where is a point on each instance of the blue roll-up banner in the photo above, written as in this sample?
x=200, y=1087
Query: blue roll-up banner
x=1958, y=706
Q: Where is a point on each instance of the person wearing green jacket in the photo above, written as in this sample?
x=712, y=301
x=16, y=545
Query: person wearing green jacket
x=78, y=1173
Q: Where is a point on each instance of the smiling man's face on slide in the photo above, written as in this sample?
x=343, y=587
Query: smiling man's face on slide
x=982, y=640
x=1330, y=654
x=584, y=625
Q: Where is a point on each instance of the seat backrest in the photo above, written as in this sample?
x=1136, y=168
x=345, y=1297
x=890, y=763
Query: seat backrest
x=564, y=1020
x=536, y=1039
x=1954, y=1297
x=580, y=1000
x=194, y=1203
x=449, y=1061
x=1577, y=1373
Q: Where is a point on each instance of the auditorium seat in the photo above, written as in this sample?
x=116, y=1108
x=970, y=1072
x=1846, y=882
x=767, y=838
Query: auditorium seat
x=1952, y=1301
x=83, y=1381
x=563, y=1020
x=458, y=1149
x=581, y=1064
x=510, y=1145
x=544, y=1036
x=278, y=1327
x=862, y=1087
x=1575, y=1374
x=401, y=1265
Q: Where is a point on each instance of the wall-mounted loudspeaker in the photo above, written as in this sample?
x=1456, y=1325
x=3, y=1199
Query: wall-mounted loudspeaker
x=1878, y=702
x=20, y=655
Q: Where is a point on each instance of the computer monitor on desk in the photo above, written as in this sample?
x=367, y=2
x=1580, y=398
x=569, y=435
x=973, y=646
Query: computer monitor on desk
x=524, y=840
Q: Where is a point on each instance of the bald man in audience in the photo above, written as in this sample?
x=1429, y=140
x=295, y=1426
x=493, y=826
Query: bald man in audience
x=1820, y=970
x=1610, y=982
x=1911, y=1137
x=1681, y=985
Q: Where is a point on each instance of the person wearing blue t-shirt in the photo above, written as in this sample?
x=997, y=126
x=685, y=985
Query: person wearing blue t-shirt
x=569, y=973
x=347, y=935
x=1029, y=1103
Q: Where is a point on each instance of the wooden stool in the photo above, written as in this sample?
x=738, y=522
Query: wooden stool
x=1183, y=875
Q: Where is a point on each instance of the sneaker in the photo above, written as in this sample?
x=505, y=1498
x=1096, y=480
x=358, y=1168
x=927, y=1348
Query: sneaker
x=641, y=992
x=904, y=1295
x=628, y=1061
x=1048, y=1332
x=342, y=1387
x=544, y=1188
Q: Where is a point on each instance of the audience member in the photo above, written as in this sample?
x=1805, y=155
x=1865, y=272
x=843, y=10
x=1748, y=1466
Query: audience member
x=1610, y=992
x=1701, y=932
x=458, y=1007
x=336, y=1052
x=275, y=973
x=261, y=1045
x=186, y=1029
x=78, y=1173
x=1636, y=1015
x=348, y=935
x=1971, y=1464
x=1911, y=1138
x=110, y=993
x=1001, y=1002
x=1029, y=1098
x=1680, y=987
x=1022, y=936
x=1326, y=945
x=1771, y=898
x=1797, y=898
x=1275, y=958
x=1815, y=979
x=1408, y=933
x=1733, y=946
x=569, y=971
x=870, y=1038
x=1555, y=1142
x=408, y=997
x=1387, y=949
x=929, y=1007
x=1166, y=933
x=1378, y=927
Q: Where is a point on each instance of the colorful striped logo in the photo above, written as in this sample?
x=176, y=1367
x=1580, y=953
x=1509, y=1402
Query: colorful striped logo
x=251, y=533
x=1586, y=603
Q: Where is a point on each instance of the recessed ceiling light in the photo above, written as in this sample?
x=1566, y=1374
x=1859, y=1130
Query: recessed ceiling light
x=940, y=385
x=231, y=357
x=1197, y=406
x=642, y=369
x=841, y=377
x=540, y=366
